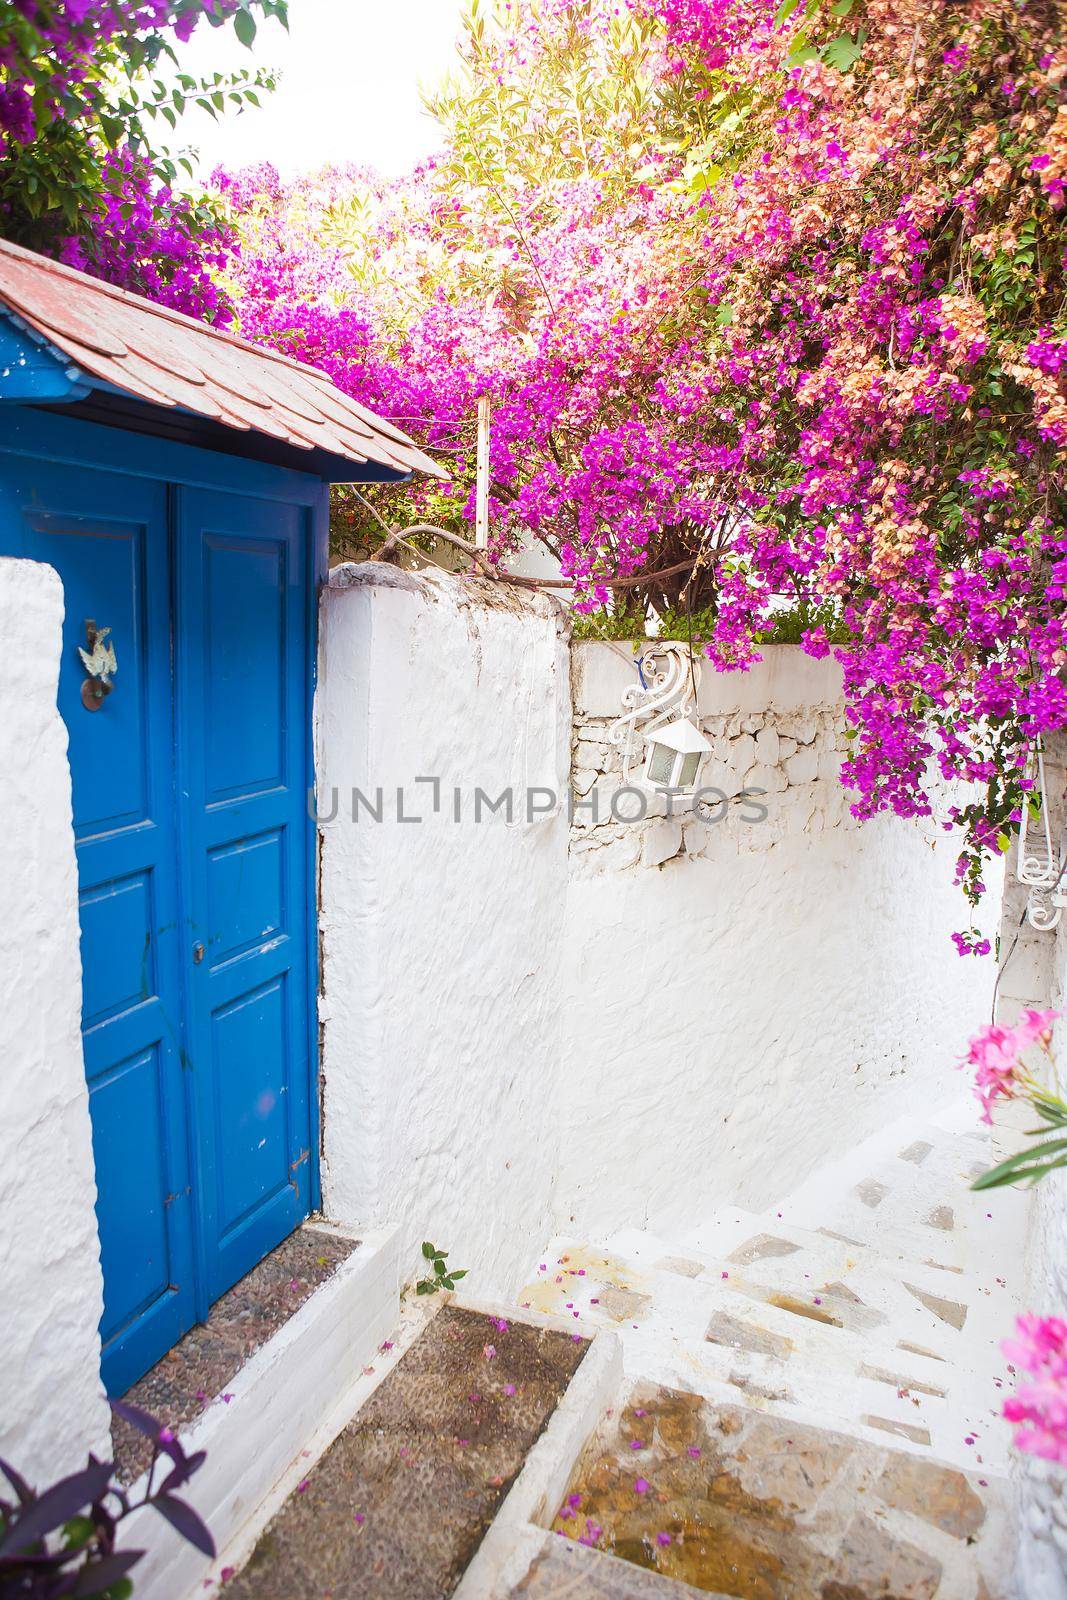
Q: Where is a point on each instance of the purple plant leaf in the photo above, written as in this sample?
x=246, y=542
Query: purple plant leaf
x=100, y=1575
x=17, y=1482
x=143, y=1421
x=185, y=1521
x=151, y=1427
x=57, y=1505
x=182, y=1471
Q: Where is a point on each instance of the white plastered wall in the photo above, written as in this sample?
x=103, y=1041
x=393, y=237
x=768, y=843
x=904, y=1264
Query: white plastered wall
x=630, y=1027
x=52, y=1407
x=746, y=999
x=441, y=941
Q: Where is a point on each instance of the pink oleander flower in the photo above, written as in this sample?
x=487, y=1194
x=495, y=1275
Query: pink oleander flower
x=1038, y=1410
x=994, y=1052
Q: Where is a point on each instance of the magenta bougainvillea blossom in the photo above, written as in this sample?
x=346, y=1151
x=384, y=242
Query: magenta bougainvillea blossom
x=147, y=241
x=86, y=88
x=1038, y=1409
x=776, y=290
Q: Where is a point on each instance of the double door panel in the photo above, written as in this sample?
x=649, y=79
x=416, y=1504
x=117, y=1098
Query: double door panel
x=192, y=848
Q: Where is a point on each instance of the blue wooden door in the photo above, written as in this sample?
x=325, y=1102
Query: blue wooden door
x=107, y=538
x=193, y=868
x=242, y=739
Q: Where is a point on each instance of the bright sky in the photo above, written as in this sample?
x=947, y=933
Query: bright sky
x=349, y=91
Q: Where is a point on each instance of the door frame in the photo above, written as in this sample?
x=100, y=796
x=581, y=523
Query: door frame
x=51, y=437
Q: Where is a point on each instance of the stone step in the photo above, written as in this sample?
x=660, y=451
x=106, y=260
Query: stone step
x=256, y=1384
x=764, y=1249
x=399, y=1503
x=729, y=1500
x=833, y=1354
x=913, y=1208
x=561, y=1569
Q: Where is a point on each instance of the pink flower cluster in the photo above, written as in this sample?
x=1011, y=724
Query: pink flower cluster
x=995, y=1053
x=1039, y=1408
x=154, y=242
x=822, y=357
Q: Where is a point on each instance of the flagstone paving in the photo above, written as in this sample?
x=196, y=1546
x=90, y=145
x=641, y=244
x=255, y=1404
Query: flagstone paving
x=823, y=1309
x=811, y=1406
x=731, y=1501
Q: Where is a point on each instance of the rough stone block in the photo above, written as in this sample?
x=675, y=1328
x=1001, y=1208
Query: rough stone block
x=871, y=1562
x=934, y=1493
x=762, y=1248
x=950, y=1311
x=770, y=779
x=737, y=1335
x=662, y=841
x=742, y=752
x=801, y=727
x=722, y=776
x=768, y=747
x=803, y=767
x=829, y=768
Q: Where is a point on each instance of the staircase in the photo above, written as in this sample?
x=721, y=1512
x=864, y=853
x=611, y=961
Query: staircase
x=854, y=1326
x=799, y=1403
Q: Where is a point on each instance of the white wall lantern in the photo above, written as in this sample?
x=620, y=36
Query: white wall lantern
x=674, y=753
x=662, y=745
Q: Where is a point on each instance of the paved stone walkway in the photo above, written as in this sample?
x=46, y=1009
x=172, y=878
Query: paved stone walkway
x=732, y=1501
x=855, y=1325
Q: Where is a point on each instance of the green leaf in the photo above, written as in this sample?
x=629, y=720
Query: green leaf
x=426, y=1286
x=725, y=314
x=785, y=11
x=429, y=1251
x=77, y=1532
x=1051, y=1108
x=841, y=8
x=1003, y=843
x=461, y=1272
x=1026, y=1165
x=843, y=52
x=244, y=26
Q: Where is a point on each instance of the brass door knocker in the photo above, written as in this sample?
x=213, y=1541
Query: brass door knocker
x=100, y=665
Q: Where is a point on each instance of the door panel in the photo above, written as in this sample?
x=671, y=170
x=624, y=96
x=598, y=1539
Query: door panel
x=242, y=729
x=107, y=538
x=190, y=830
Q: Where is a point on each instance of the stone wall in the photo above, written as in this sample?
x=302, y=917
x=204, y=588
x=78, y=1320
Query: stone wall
x=52, y=1407
x=775, y=766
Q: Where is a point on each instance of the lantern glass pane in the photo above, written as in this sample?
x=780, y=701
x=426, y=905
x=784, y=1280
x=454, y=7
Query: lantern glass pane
x=690, y=767
x=661, y=764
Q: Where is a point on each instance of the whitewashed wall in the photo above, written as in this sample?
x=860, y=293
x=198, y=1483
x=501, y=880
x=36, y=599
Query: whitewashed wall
x=744, y=999
x=442, y=941
x=52, y=1408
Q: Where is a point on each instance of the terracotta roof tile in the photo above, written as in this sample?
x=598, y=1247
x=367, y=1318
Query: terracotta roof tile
x=168, y=359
